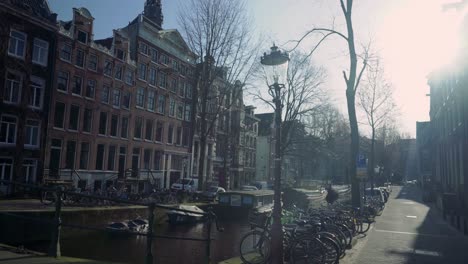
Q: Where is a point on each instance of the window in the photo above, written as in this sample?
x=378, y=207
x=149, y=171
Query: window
x=102, y=123
x=143, y=48
x=179, y=136
x=114, y=125
x=170, y=134
x=120, y=54
x=82, y=37
x=40, y=51
x=140, y=97
x=154, y=55
x=6, y=169
x=59, y=114
x=157, y=160
x=124, y=127
x=188, y=92
x=108, y=68
x=116, y=98
x=36, y=92
x=142, y=71
x=183, y=69
x=161, y=103
x=182, y=88
x=135, y=160
x=17, y=44
x=66, y=52
x=105, y=94
x=188, y=112
x=79, y=58
x=92, y=62
x=12, y=92
x=32, y=133
x=129, y=77
x=100, y=157
x=118, y=72
x=164, y=59
x=147, y=158
x=173, y=86
x=84, y=155
x=29, y=170
x=62, y=81
x=180, y=111
x=8, y=129
x=151, y=104
x=152, y=76
x=70, y=155
x=111, y=158
x=172, y=104
x=74, y=117
x=87, y=120
x=90, y=88
x=77, y=82
x=138, y=127
x=126, y=100
x=149, y=129
x=162, y=80
x=159, y=131
x=175, y=65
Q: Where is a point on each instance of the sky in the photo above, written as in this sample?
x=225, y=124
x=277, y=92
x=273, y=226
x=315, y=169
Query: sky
x=413, y=38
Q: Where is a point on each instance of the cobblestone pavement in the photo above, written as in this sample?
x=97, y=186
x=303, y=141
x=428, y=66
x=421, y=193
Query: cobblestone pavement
x=410, y=232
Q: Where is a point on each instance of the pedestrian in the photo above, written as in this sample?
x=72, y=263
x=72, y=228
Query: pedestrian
x=332, y=195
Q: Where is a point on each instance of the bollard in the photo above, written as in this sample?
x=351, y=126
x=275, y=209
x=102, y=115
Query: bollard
x=149, y=237
x=208, y=241
x=54, y=249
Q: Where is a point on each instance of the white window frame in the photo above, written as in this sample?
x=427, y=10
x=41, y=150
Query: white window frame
x=142, y=72
x=8, y=129
x=71, y=52
x=28, y=141
x=2, y=169
x=116, y=96
x=12, y=38
x=27, y=164
x=66, y=85
x=83, y=59
x=92, y=55
x=139, y=96
x=94, y=88
x=41, y=50
x=8, y=101
x=34, y=90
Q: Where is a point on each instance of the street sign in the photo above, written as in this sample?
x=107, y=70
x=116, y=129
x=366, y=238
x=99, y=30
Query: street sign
x=361, y=166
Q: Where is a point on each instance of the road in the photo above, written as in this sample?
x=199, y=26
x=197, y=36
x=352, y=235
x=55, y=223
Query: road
x=410, y=232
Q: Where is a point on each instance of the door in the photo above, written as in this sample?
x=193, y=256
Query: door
x=54, y=162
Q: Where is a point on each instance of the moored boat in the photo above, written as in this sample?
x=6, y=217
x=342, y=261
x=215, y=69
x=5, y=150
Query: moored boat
x=181, y=217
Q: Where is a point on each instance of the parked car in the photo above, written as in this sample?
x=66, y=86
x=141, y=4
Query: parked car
x=189, y=185
x=249, y=188
x=212, y=192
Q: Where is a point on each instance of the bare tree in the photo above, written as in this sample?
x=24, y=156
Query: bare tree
x=218, y=31
x=352, y=78
x=302, y=96
x=376, y=102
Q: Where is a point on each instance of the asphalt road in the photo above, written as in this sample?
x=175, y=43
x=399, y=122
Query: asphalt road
x=410, y=232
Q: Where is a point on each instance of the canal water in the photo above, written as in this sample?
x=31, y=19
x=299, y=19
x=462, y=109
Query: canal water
x=131, y=249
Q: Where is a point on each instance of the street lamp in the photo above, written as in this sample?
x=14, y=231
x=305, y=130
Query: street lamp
x=276, y=71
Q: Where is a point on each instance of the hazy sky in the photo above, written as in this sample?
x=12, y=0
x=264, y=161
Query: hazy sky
x=413, y=37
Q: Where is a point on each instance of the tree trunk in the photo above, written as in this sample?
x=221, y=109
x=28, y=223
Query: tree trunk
x=355, y=192
x=372, y=160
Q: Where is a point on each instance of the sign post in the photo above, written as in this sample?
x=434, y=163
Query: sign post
x=361, y=172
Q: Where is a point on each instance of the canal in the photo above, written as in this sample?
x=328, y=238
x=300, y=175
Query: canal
x=131, y=249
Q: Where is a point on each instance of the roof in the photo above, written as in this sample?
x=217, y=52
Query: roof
x=84, y=12
x=38, y=8
x=107, y=42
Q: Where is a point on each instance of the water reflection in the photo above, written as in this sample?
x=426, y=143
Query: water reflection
x=131, y=249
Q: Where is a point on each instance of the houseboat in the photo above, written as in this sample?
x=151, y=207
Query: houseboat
x=238, y=204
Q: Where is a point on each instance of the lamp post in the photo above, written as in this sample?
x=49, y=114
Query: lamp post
x=276, y=65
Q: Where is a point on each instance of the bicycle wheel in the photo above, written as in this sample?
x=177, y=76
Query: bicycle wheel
x=332, y=249
x=307, y=249
x=338, y=236
x=347, y=232
x=48, y=197
x=255, y=247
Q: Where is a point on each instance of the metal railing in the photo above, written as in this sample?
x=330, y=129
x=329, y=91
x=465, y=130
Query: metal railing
x=60, y=192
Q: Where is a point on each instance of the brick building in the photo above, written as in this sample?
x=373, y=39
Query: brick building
x=122, y=105
x=27, y=32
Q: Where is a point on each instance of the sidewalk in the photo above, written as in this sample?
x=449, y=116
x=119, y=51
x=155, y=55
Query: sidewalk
x=16, y=256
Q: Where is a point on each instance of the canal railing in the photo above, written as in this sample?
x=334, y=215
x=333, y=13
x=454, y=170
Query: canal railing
x=57, y=224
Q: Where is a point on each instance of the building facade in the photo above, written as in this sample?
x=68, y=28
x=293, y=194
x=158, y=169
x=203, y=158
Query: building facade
x=28, y=32
x=121, y=111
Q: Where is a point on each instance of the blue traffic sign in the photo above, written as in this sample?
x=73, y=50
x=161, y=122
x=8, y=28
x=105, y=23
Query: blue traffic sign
x=361, y=161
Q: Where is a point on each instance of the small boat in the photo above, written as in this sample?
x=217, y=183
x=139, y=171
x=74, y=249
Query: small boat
x=138, y=225
x=179, y=217
x=118, y=227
